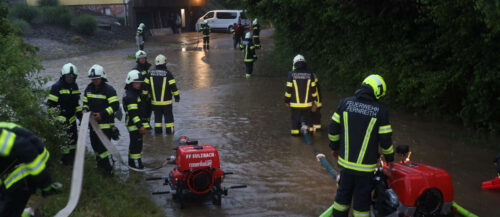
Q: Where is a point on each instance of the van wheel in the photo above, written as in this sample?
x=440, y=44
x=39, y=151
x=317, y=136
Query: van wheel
x=229, y=28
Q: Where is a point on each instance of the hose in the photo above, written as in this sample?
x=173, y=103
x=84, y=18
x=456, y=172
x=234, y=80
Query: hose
x=327, y=213
x=463, y=211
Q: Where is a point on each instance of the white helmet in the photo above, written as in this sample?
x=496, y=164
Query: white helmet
x=140, y=54
x=298, y=58
x=133, y=76
x=96, y=71
x=160, y=60
x=254, y=21
x=248, y=35
x=205, y=21
x=69, y=68
x=142, y=25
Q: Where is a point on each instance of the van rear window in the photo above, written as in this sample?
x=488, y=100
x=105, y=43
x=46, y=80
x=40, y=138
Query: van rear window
x=226, y=15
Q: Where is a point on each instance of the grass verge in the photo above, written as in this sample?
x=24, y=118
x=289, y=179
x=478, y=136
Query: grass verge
x=101, y=196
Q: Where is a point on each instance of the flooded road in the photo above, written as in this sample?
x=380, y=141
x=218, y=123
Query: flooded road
x=246, y=120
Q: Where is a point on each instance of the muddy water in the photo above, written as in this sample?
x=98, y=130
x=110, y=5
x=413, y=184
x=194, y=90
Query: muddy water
x=249, y=125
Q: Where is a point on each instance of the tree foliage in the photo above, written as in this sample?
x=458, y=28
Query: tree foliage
x=22, y=92
x=438, y=57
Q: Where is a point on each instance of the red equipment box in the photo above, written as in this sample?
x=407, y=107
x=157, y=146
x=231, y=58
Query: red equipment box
x=193, y=157
x=409, y=180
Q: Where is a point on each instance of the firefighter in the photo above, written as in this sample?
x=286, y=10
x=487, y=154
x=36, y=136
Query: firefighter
x=358, y=127
x=163, y=87
x=64, y=98
x=237, y=31
x=101, y=99
x=139, y=37
x=300, y=96
x=135, y=125
x=315, y=111
x=205, y=31
x=23, y=169
x=249, y=56
x=143, y=67
x=256, y=32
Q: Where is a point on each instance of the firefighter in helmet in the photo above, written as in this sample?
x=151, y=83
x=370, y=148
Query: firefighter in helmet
x=163, y=87
x=100, y=98
x=139, y=36
x=23, y=169
x=135, y=125
x=249, y=55
x=205, y=31
x=256, y=32
x=143, y=67
x=64, y=98
x=358, y=127
x=300, y=95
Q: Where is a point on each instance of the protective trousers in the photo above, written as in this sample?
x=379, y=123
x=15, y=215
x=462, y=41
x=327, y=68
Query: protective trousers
x=68, y=151
x=353, y=184
x=14, y=200
x=256, y=41
x=249, y=67
x=163, y=112
x=135, y=147
x=146, y=115
x=206, y=42
x=316, y=119
x=237, y=38
x=299, y=115
x=103, y=157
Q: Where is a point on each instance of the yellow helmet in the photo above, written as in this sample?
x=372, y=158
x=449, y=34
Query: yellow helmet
x=377, y=83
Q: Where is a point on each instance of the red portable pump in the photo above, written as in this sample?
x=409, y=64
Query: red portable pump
x=413, y=189
x=197, y=171
x=493, y=184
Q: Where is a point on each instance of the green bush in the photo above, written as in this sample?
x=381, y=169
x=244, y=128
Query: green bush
x=23, y=103
x=44, y=3
x=439, y=58
x=24, y=12
x=85, y=24
x=24, y=26
x=57, y=15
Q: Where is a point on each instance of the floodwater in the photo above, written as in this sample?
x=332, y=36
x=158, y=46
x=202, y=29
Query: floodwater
x=246, y=120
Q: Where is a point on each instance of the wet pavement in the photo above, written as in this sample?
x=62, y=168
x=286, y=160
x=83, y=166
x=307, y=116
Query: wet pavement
x=246, y=120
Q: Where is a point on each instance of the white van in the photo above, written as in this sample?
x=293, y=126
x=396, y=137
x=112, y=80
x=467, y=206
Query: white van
x=223, y=19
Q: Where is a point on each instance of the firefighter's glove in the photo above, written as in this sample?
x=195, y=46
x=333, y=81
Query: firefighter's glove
x=389, y=158
x=177, y=98
x=53, y=188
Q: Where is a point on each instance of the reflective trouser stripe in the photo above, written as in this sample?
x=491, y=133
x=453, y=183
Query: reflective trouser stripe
x=294, y=132
x=104, y=154
x=33, y=168
x=158, y=124
x=7, y=139
x=169, y=124
x=340, y=207
x=135, y=156
x=105, y=126
x=360, y=213
x=132, y=128
x=317, y=126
